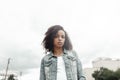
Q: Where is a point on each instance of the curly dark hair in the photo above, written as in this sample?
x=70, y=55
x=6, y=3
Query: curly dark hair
x=50, y=35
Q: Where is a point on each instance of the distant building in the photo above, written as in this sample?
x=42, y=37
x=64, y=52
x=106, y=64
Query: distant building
x=2, y=75
x=101, y=62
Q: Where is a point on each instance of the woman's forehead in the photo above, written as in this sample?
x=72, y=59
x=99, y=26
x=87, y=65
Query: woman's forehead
x=61, y=32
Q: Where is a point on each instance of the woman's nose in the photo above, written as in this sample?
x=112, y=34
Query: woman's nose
x=60, y=38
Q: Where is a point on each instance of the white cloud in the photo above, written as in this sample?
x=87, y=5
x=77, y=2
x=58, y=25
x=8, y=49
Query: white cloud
x=34, y=74
x=93, y=27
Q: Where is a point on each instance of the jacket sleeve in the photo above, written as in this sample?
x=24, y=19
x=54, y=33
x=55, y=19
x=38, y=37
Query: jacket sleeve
x=42, y=70
x=79, y=69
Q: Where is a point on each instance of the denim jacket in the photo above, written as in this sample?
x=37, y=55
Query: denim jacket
x=73, y=67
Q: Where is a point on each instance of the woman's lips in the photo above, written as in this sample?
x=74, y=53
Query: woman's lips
x=59, y=42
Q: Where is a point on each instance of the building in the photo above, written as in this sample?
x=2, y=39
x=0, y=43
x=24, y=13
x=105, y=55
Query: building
x=2, y=75
x=112, y=64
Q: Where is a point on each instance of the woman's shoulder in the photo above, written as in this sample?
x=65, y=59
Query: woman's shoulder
x=72, y=52
x=46, y=56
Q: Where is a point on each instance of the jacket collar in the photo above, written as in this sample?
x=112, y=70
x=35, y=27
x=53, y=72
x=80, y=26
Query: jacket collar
x=64, y=52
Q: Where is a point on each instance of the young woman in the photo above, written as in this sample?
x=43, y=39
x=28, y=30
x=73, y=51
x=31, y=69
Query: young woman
x=62, y=63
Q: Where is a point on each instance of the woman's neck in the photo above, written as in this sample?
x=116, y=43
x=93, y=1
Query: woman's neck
x=58, y=51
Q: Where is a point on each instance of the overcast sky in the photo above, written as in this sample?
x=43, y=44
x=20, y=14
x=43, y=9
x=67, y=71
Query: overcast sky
x=93, y=27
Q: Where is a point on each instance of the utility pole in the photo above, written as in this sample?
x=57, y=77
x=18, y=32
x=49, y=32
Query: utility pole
x=20, y=75
x=7, y=68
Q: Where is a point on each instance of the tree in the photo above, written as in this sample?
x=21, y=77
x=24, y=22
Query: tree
x=117, y=73
x=112, y=77
x=11, y=77
x=106, y=74
x=96, y=74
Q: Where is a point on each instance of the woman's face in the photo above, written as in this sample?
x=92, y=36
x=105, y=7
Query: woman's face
x=59, y=39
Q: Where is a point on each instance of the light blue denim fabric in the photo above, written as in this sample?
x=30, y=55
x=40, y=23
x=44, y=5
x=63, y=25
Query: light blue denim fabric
x=48, y=70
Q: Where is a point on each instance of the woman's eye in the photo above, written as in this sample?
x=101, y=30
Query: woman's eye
x=56, y=36
x=63, y=36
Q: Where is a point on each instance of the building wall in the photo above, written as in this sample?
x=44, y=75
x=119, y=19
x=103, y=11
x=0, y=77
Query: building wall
x=101, y=62
x=107, y=63
x=88, y=72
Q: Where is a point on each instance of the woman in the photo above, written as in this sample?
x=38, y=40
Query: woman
x=62, y=62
